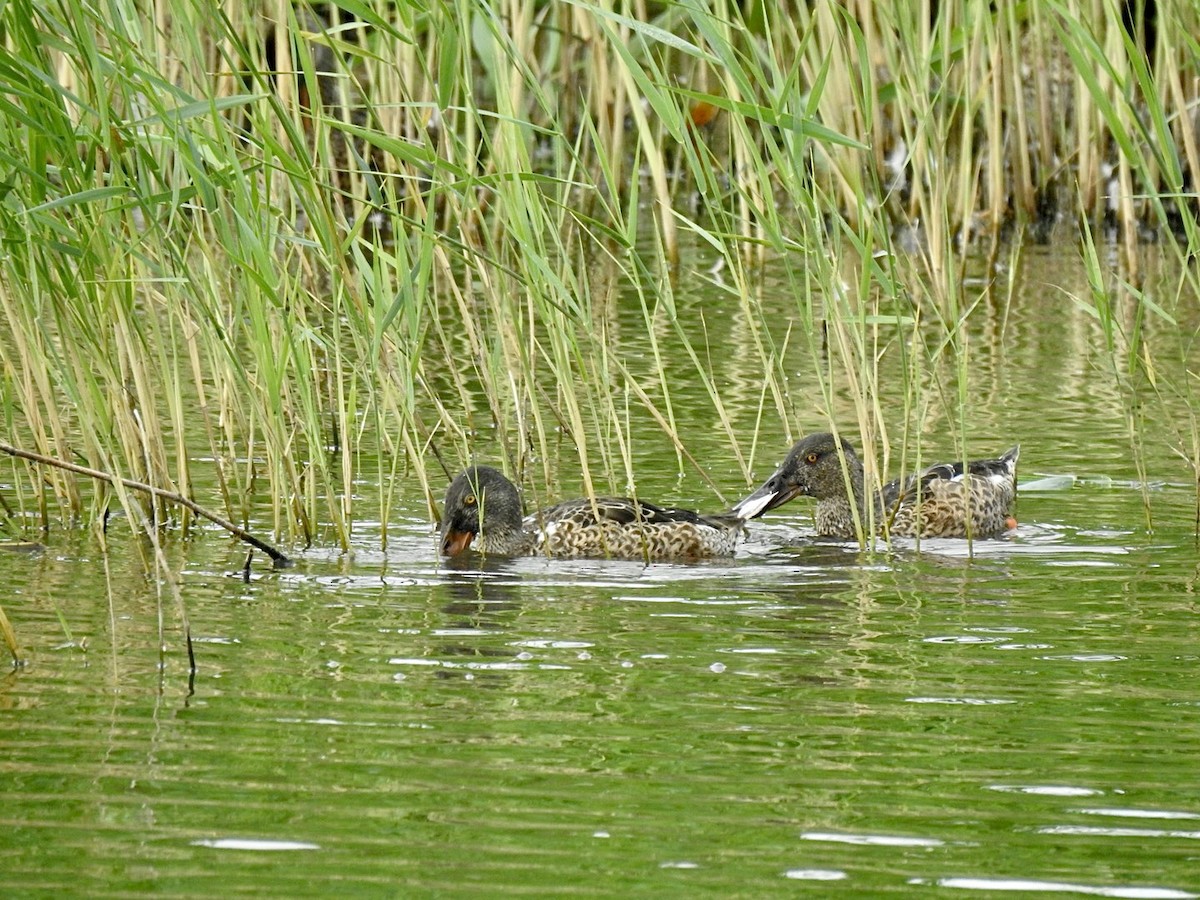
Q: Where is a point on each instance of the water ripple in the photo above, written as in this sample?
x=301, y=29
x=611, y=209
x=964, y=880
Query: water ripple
x=815, y=874
x=1047, y=790
x=963, y=701
x=872, y=840
x=1139, y=813
x=1061, y=887
x=1118, y=832
x=254, y=844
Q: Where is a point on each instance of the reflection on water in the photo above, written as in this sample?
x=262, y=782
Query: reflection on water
x=1059, y=887
x=1014, y=715
x=807, y=712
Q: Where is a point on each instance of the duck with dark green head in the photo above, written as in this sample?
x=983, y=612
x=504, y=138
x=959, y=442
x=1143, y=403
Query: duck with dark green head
x=483, y=511
x=944, y=500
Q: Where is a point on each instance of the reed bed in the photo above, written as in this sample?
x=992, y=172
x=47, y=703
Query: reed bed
x=312, y=248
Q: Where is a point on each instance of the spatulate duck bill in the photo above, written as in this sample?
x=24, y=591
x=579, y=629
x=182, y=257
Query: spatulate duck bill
x=455, y=542
x=766, y=498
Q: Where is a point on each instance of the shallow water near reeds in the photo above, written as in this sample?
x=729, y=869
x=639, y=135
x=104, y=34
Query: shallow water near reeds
x=1022, y=715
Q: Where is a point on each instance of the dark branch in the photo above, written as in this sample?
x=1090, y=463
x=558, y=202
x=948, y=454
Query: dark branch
x=280, y=560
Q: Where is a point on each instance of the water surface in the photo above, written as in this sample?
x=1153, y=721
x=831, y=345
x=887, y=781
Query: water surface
x=1017, y=716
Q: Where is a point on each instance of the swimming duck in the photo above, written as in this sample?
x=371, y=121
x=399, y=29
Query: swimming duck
x=484, y=507
x=939, y=502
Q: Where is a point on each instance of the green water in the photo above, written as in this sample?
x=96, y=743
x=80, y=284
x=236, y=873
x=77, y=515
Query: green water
x=804, y=719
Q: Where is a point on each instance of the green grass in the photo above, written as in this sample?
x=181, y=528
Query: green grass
x=323, y=252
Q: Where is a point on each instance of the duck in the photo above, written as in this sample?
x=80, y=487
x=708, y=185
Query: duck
x=943, y=500
x=483, y=509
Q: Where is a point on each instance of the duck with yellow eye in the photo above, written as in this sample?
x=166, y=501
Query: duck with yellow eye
x=945, y=500
x=483, y=511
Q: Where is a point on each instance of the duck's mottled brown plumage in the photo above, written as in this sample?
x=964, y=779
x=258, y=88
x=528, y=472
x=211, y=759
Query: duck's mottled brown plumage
x=483, y=510
x=939, y=502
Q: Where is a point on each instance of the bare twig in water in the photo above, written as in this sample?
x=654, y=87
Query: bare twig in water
x=279, y=559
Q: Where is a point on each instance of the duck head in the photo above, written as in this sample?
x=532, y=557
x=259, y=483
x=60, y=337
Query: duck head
x=481, y=502
x=813, y=468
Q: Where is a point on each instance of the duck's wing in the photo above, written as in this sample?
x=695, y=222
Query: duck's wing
x=1000, y=472
x=651, y=512
x=712, y=520
x=625, y=511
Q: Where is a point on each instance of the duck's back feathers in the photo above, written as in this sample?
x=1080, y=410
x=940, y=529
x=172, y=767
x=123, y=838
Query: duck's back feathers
x=631, y=529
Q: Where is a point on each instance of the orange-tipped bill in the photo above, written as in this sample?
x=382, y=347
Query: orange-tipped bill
x=455, y=542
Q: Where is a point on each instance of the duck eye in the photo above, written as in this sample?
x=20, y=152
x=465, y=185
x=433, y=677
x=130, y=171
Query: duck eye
x=469, y=500
x=812, y=458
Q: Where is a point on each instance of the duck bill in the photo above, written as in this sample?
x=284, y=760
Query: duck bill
x=766, y=498
x=455, y=542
